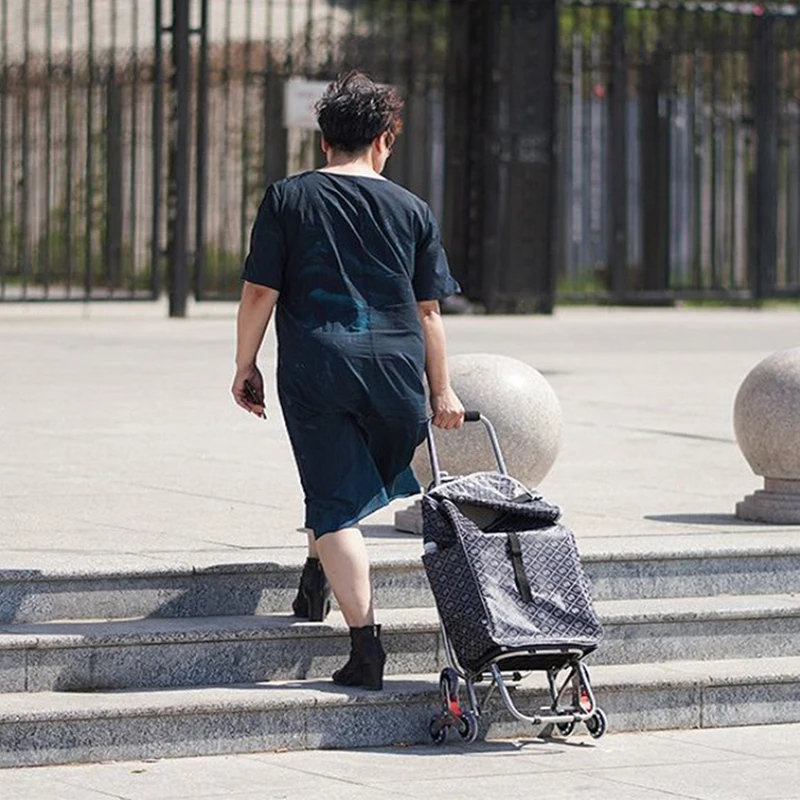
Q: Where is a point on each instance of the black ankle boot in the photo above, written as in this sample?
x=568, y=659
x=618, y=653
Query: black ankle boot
x=367, y=657
x=314, y=595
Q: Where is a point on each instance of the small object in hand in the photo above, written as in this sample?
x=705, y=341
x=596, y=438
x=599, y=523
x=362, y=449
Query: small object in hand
x=253, y=397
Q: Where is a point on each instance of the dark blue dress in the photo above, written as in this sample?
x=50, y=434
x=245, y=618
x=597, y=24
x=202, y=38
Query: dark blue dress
x=350, y=256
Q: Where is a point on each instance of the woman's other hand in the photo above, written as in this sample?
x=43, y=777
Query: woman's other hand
x=448, y=411
x=248, y=390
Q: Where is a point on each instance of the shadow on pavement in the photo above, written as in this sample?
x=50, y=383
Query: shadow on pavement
x=699, y=519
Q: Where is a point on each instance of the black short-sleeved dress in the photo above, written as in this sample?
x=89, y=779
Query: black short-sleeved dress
x=351, y=256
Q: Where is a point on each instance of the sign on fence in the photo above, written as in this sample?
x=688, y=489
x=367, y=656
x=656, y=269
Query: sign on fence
x=299, y=98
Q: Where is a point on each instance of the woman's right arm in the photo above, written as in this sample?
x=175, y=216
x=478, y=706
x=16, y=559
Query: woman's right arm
x=255, y=311
x=448, y=412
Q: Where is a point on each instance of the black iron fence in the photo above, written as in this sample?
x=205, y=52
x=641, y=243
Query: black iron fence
x=77, y=186
x=679, y=150
x=136, y=139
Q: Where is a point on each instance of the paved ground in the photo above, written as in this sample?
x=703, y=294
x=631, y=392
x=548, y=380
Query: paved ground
x=725, y=764
x=120, y=446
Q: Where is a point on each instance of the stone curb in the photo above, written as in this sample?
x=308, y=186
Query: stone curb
x=57, y=728
x=28, y=596
x=161, y=653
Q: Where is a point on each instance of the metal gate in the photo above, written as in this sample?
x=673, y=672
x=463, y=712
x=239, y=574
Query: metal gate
x=136, y=138
x=679, y=151
x=239, y=62
x=80, y=161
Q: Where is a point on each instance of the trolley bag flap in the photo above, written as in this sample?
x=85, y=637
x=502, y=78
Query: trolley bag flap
x=494, y=501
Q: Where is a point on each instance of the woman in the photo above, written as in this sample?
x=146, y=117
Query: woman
x=356, y=268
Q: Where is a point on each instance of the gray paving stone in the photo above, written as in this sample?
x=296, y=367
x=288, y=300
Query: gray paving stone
x=752, y=741
x=27, y=785
x=550, y=785
x=219, y=776
x=776, y=780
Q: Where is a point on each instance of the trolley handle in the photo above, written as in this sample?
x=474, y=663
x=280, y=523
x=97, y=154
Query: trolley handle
x=469, y=416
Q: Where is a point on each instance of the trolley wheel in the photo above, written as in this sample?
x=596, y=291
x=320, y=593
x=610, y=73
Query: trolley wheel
x=566, y=728
x=437, y=730
x=448, y=685
x=597, y=724
x=468, y=726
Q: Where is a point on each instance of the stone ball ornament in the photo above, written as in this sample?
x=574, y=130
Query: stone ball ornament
x=766, y=420
x=521, y=405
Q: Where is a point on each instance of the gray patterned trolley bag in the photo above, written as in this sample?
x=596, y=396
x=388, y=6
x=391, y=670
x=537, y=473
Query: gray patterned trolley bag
x=511, y=594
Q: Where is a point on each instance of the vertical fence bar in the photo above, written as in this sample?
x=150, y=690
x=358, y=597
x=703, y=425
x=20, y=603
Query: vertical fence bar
x=25, y=178
x=741, y=231
x=5, y=221
x=308, y=39
x=226, y=206
x=69, y=121
x=45, y=253
x=244, y=142
x=133, y=210
x=618, y=154
x=714, y=137
x=276, y=143
x=202, y=156
x=793, y=125
x=696, y=155
x=158, y=149
x=766, y=188
x=655, y=170
x=424, y=66
x=89, y=176
x=457, y=110
x=114, y=176
x=179, y=161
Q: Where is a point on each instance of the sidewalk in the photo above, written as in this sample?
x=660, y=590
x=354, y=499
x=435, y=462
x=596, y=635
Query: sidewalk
x=121, y=448
x=723, y=764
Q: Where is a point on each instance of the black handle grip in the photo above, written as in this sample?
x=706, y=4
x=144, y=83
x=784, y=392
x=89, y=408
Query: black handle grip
x=472, y=416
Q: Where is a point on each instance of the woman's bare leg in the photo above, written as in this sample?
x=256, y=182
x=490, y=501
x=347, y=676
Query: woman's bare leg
x=344, y=558
x=312, y=546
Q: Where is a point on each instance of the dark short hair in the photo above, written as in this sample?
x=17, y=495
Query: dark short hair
x=355, y=110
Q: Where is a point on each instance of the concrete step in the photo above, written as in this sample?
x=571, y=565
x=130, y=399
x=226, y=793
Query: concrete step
x=648, y=569
x=57, y=728
x=152, y=653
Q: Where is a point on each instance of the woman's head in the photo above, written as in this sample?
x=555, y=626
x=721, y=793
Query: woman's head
x=355, y=114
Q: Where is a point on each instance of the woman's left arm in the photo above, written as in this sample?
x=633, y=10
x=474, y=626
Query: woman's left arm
x=255, y=311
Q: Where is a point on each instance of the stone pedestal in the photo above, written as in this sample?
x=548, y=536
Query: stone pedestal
x=409, y=520
x=767, y=425
x=524, y=410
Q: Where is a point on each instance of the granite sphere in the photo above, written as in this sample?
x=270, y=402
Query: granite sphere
x=521, y=405
x=766, y=416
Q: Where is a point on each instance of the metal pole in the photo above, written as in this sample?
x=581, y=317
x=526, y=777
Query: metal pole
x=766, y=189
x=158, y=149
x=88, y=282
x=179, y=162
x=5, y=226
x=26, y=172
x=618, y=155
x=45, y=252
x=202, y=155
x=114, y=173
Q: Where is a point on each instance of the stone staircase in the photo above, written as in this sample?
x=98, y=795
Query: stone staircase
x=188, y=662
